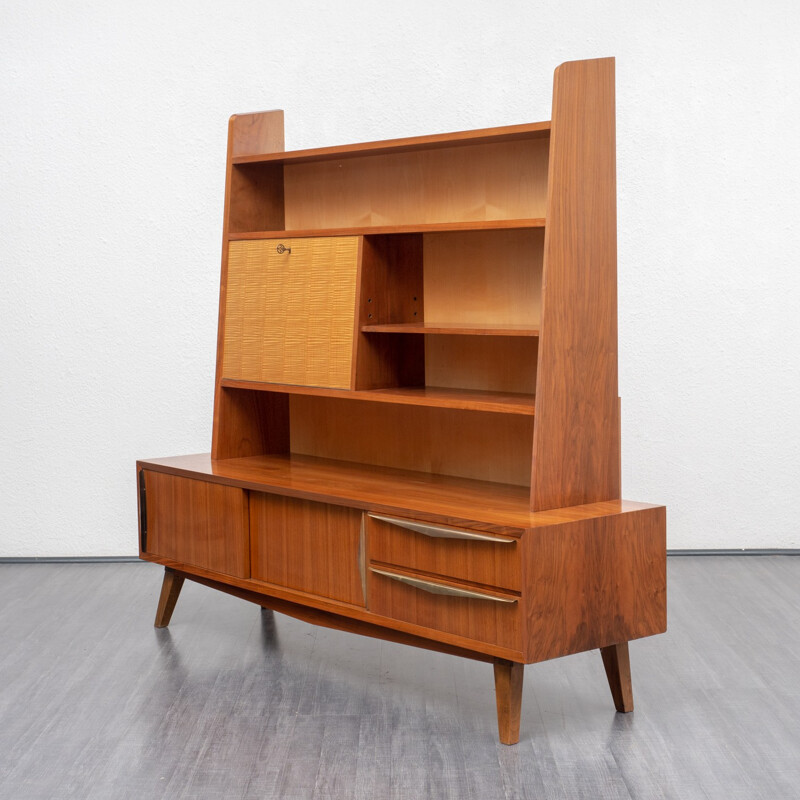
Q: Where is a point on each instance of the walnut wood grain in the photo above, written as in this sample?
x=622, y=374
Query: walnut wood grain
x=437, y=396
x=491, y=563
x=507, y=133
x=248, y=425
x=508, y=693
x=170, y=590
x=488, y=278
x=261, y=232
x=483, y=620
x=595, y=582
x=474, y=505
x=198, y=522
x=469, y=183
x=267, y=592
x=340, y=622
x=443, y=441
x=617, y=663
x=452, y=329
x=391, y=291
x=312, y=547
x=576, y=450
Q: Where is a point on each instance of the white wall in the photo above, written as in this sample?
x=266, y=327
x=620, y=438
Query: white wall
x=112, y=130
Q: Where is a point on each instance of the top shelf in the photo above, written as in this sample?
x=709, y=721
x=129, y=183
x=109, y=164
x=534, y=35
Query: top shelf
x=508, y=133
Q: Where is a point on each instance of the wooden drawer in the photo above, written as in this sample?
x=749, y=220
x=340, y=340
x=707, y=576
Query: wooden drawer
x=473, y=556
x=290, y=309
x=198, y=523
x=312, y=547
x=484, y=616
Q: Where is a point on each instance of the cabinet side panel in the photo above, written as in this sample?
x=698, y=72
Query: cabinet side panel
x=595, y=582
x=236, y=432
x=576, y=457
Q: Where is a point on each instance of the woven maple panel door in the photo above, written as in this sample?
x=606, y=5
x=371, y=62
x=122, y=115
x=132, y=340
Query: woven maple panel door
x=290, y=311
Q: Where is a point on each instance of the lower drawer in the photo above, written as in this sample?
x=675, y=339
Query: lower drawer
x=483, y=615
x=195, y=522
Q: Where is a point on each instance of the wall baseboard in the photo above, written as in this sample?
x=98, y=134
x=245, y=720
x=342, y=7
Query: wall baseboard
x=135, y=559
x=68, y=559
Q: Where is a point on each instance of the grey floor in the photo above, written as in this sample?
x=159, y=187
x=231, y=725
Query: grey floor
x=232, y=703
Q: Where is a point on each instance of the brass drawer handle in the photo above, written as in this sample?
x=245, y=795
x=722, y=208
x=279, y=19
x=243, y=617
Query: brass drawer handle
x=440, y=532
x=441, y=588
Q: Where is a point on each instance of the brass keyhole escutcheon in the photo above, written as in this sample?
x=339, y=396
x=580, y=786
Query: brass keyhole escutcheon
x=281, y=249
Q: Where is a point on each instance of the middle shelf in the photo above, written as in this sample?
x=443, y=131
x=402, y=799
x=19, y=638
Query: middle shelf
x=433, y=396
x=452, y=329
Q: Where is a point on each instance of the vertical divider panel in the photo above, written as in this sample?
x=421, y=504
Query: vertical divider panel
x=576, y=443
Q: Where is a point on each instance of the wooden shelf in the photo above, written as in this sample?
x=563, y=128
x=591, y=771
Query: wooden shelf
x=439, y=397
x=431, y=227
x=452, y=330
x=508, y=133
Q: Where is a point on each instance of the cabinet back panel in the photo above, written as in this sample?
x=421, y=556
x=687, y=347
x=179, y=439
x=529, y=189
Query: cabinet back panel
x=506, y=180
x=484, y=277
x=290, y=317
x=467, y=444
x=486, y=363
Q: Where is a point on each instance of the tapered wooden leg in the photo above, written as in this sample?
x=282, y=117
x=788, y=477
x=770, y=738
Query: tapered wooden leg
x=170, y=589
x=618, y=671
x=508, y=692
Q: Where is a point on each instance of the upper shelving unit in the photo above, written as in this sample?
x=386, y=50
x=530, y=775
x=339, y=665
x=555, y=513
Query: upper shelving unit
x=507, y=133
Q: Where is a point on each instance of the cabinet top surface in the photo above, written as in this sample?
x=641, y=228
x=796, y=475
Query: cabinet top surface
x=507, y=133
x=381, y=489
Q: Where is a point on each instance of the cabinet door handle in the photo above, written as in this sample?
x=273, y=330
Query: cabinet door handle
x=362, y=556
x=440, y=532
x=441, y=588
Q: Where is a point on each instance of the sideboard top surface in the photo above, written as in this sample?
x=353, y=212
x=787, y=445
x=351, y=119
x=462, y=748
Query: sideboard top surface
x=383, y=489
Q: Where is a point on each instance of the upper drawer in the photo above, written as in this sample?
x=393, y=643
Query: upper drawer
x=290, y=311
x=474, y=556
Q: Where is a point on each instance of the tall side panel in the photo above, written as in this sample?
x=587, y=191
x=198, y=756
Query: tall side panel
x=576, y=446
x=252, y=200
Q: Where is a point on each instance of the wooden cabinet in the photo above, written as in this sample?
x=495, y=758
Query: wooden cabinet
x=416, y=420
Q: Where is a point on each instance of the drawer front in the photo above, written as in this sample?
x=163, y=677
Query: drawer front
x=461, y=610
x=312, y=547
x=473, y=556
x=200, y=524
x=290, y=311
